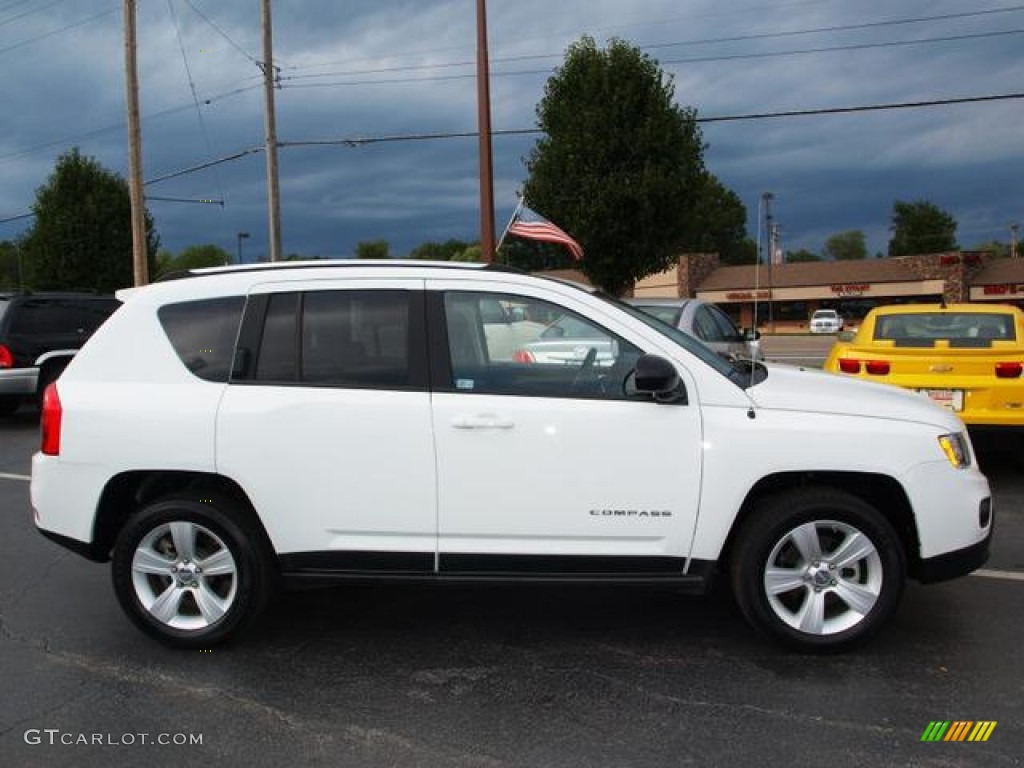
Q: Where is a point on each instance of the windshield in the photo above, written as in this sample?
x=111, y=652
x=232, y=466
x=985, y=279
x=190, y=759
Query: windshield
x=963, y=329
x=737, y=373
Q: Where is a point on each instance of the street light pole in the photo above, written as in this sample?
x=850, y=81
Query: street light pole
x=241, y=236
x=767, y=197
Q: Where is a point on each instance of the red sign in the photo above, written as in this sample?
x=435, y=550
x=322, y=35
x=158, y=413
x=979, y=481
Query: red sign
x=747, y=295
x=1003, y=289
x=851, y=289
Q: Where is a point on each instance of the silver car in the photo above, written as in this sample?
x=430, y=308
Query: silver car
x=703, y=320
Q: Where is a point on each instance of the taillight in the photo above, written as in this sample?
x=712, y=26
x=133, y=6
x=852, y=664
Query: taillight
x=523, y=356
x=6, y=358
x=848, y=365
x=1009, y=370
x=49, y=421
x=877, y=367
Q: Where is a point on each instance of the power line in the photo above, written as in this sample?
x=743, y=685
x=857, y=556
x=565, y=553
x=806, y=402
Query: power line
x=692, y=60
x=23, y=14
x=57, y=31
x=655, y=46
x=199, y=201
x=192, y=88
x=222, y=33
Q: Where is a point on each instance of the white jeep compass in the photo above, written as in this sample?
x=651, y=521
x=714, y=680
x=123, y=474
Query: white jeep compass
x=363, y=420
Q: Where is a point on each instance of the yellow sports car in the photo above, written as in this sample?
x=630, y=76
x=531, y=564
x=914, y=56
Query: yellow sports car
x=966, y=357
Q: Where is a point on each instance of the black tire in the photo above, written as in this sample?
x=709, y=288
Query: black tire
x=824, y=599
x=166, y=592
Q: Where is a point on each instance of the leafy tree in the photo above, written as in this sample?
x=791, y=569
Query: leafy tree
x=10, y=267
x=921, y=227
x=996, y=248
x=803, y=254
x=620, y=166
x=471, y=253
x=373, y=249
x=719, y=223
x=846, y=246
x=445, y=251
x=193, y=257
x=82, y=237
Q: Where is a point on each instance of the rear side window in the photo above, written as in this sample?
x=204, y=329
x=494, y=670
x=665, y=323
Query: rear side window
x=203, y=334
x=346, y=339
x=45, y=316
x=95, y=311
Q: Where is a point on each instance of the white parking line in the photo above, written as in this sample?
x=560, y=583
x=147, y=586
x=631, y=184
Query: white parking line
x=990, y=574
x=7, y=476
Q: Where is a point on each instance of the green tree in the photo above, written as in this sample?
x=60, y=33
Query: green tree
x=921, y=227
x=193, y=257
x=373, y=249
x=445, y=251
x=620, y=166
x=471, y=253
x=720, y=223
x=81, y=237
x=846, y=246
x=998, y=249
x=10, y=266
x=803, y=254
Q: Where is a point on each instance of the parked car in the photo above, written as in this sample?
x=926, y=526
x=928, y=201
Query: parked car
x=969, y=358
x=826, y=321
x=39, y=334
x=703, y=320
x=329, y=421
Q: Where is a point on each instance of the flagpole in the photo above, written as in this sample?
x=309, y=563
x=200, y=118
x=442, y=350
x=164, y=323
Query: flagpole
x=511, y=221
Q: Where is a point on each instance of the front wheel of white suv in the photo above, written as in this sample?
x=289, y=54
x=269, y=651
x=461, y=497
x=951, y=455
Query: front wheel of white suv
x=191, y=573
x=818, y=569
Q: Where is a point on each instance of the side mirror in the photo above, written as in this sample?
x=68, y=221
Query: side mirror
x=751, y=334
x=845, y=336
x=657, y=377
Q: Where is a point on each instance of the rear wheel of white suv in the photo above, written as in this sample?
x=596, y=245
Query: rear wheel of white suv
x=190, y=572
x=818, y=569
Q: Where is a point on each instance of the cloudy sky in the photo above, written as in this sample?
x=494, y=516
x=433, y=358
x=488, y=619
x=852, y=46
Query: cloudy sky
x=397, y=68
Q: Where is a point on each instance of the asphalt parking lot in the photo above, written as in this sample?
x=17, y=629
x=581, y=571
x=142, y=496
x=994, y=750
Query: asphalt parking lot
x=402, y=676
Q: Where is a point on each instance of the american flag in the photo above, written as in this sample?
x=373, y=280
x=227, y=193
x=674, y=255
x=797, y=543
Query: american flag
x=536, y=227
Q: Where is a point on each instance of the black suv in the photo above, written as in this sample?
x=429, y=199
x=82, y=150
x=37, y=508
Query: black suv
x=39, y=334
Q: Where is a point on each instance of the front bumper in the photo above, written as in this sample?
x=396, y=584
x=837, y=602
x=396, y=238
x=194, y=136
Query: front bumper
x=954, y=564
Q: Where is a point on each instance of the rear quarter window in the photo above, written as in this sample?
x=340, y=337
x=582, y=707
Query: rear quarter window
x=203, y=334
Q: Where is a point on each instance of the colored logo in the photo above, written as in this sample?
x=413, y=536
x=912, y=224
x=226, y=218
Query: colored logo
x=958, y=730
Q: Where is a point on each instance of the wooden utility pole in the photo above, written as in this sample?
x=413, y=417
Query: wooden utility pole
x=483, y=85
x=270, y=122
x=140, y=262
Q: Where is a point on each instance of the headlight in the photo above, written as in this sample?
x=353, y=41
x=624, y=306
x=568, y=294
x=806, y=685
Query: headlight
x=955, y=447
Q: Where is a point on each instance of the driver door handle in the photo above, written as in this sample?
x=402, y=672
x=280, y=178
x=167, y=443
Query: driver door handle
x=481, y=421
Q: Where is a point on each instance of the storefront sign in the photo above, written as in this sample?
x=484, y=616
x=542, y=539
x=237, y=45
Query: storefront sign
x=851, y=289
x=1004, y=289
x=747, y=295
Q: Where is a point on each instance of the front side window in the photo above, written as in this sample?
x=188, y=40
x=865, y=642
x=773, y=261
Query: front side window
x=534, y=348
x=203, y=334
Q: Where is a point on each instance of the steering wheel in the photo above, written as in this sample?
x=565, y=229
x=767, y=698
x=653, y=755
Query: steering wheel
x=584, y=371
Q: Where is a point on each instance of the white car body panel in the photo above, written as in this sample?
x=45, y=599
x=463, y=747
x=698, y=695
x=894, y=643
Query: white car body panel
x=385, y=470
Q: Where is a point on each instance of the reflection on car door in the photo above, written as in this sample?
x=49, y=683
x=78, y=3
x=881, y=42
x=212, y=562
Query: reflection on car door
x=542, y=473
x=329, y=427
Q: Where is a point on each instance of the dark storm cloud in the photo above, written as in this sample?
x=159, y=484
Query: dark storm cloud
x=394, y=67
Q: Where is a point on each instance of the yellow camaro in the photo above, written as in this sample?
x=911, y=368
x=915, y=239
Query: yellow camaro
x=966, y=357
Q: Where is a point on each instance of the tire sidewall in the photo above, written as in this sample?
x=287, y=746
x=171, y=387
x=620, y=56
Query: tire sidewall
x=243, y=548
x=780, y=516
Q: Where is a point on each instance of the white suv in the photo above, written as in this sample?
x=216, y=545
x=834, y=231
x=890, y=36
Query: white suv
x=329, y=421
x=826, y=321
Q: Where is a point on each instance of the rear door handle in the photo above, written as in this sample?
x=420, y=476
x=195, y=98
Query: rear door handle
x=482, y=421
